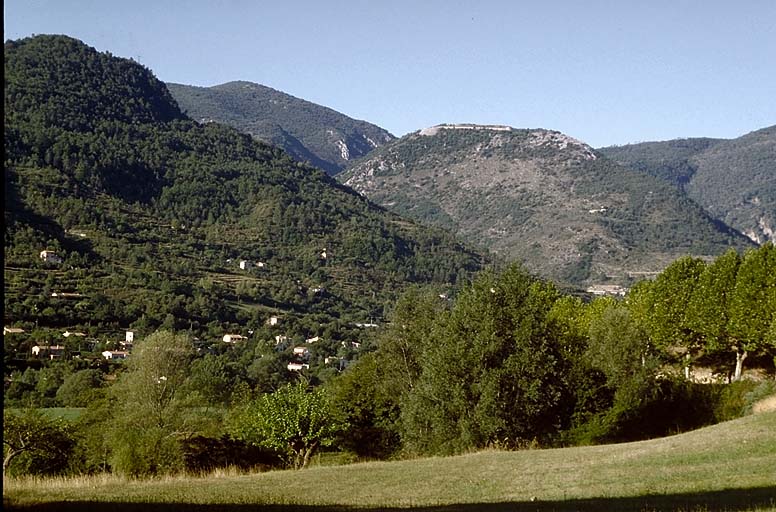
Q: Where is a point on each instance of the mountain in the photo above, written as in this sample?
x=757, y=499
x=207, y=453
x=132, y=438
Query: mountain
x=734, y=180
x=310, y=133
x=156, y=220
x=540, y=196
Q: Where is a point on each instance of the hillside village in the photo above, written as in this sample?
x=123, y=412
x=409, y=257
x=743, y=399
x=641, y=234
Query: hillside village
x=181, y=297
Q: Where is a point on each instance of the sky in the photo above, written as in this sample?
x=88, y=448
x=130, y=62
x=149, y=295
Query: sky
x=605, y=72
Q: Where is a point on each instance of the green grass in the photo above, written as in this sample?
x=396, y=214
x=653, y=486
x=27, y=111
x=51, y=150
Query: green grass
x=730, y=466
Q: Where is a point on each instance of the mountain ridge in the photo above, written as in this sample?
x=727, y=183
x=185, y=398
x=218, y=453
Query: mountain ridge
x=310, y=132
x=538, y=195
x=733, y=179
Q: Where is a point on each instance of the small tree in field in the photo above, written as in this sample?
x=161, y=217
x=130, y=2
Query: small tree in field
x=293, y=420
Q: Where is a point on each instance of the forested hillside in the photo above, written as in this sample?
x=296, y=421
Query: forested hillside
x=542, y=197
x=310, y=133
x=150, y=217
x=734, y=180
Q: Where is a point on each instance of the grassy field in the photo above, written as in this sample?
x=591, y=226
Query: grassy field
x=730, y=466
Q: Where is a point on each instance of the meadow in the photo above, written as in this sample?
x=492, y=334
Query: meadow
x=730, y=466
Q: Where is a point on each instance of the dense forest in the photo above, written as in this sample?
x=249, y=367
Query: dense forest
x=254, y=312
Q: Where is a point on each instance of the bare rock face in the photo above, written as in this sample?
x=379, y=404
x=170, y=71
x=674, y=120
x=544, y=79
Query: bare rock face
x=539, y=196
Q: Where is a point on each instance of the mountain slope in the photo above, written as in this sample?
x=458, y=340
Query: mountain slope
x=734, y=180
x=151, y=212
x=540, y=196
x=308, y=132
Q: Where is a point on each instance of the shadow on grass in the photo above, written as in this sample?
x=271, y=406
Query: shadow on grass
x=717, y=501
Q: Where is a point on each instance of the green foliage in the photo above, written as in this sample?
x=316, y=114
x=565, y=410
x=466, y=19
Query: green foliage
x=363, y=397
x=35, y=444
x=494, y=374
x=669, y=295
x=618, y=347
x=708, y=310
x=154, y=409
x=79, y=388
x=753, y=301
x=294, y=420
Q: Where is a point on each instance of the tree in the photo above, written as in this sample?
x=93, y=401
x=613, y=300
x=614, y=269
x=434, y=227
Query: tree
x=47, y=442
x=753, y=304
x=618, y=347
x=370, y=410
x=294, y=420
x=667, y=320
x=708, y=311
x=79, y=388
x=154, y=410
x=495, y=373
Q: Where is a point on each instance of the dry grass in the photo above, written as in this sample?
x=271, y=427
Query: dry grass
x=730, y=466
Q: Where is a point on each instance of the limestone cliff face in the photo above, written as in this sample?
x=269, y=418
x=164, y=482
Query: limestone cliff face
x=540, y=196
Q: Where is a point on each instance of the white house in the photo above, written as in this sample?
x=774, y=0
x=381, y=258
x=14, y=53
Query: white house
x=312, y=340
x=303, y=352
x=293, y=366
x=129, y=336
x=67, y=334
x=12, y=330
x=273, y=320
x=115, y=354
x=233, y=338
x=245, y=264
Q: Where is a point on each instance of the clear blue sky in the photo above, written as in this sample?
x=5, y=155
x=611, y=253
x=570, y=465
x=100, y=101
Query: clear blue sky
x=606, y=72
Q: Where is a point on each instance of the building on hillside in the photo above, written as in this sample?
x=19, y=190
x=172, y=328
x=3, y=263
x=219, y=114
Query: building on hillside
x=313, y=339
x=49, y=351
x=13, y=330
x=50, y=257
x=67, y=295
x=295, y=366
x=607, y=289
x=302, y=352
x=67, y=334
x=115, y=354
x=245, y=264
x=129, y=336
x=233, y=338
x=273, y=320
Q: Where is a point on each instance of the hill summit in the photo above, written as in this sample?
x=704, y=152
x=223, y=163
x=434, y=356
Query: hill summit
x=309, y=132
x=540, y=196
